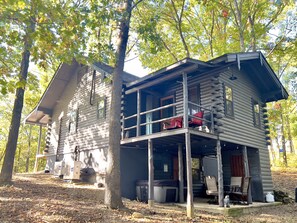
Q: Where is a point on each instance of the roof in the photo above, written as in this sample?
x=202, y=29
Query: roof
x=42, y=112
x=254, y=63
x=259, y=70
x=185, y=65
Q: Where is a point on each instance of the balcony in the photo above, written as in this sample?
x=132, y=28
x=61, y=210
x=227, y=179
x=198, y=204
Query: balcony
x=164, y=120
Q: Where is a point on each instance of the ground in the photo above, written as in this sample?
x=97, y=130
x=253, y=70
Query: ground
x=44, y=198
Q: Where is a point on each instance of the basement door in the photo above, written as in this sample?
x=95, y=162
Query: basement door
x=237, y=167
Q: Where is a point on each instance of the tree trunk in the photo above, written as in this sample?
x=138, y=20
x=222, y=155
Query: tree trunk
x=292, y=150
x=283, y=140
x=240, y=26
x=7, y=168
x=113, y=187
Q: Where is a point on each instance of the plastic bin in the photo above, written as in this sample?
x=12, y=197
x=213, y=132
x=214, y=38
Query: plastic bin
x=164, y=190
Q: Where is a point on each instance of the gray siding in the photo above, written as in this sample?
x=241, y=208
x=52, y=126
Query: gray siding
x=241, y=129
x=92, y=134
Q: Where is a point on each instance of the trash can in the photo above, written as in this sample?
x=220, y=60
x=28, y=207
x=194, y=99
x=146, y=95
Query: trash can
x=164, y=190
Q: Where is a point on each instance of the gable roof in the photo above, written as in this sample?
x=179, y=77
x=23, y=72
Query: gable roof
x=260, y=72
x=42, y=112
x=254, y=63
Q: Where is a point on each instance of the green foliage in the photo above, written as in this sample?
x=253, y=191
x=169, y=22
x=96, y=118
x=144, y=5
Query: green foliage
x=171, y=30
x=292, y=161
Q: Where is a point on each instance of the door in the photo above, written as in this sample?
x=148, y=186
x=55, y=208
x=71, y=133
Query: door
x=149, y=116
x=237, y=167
x=167, y=112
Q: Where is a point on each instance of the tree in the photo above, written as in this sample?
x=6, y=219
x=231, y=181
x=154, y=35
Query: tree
x=40, y=32
x=113, y=187
x=203, y=29
x=7, y=168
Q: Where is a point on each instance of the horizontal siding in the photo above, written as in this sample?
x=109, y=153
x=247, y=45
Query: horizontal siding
x=241, y=129
x=92, y=134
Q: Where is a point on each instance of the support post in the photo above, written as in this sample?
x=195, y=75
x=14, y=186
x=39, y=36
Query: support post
x=38, y=149
x=138, y=113
x=185, y=100
x=220, y=174
x=247, y=171
x=29, y=150
x=190, y=206
x=151, y=174
x=180, y=173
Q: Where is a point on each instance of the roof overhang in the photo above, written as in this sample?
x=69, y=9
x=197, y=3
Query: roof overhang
x=258, y=69
x=186, y=65
x=42, y=113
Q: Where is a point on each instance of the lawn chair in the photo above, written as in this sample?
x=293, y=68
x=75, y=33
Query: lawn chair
x=197, y=121
x=235, y=185
x=212, y=188
x=174, y=123
x=242, y=195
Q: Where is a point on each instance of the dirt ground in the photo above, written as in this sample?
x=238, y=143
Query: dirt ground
x=44, y=198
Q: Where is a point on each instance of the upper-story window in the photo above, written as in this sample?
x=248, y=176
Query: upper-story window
x=101, y=108
x=256, y=112
x=73, y=121
x=194, y=97
x=229, y=106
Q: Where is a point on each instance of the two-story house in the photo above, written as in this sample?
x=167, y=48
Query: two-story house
x=184, y=122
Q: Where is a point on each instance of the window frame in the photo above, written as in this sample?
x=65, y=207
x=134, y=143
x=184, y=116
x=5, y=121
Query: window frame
x=73, y=121
x=101, y=115
x=256, y=115
x=227, y=100
x=195, y=88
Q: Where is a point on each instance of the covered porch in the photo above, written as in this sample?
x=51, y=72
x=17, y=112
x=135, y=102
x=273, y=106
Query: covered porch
x=183, y=155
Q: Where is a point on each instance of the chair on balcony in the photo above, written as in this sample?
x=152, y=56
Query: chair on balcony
x=194, y=122
x=241, y=196
x=173, y=124
x=212, y=188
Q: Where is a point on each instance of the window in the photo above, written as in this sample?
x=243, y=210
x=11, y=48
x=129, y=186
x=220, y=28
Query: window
x=194, y=97
x=101, y=104
x=73, y=121
x=256, y=112
x=228, y=94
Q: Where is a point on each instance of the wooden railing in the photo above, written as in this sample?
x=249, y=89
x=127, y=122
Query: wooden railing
x=207, y=119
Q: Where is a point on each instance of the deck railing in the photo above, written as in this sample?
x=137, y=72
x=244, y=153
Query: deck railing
x=132, y=126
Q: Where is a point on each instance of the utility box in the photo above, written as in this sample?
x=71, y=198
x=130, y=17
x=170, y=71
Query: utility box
x=59, y=169
x=73, y=171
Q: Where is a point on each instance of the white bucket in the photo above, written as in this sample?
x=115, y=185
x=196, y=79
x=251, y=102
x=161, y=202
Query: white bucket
x=269, y=197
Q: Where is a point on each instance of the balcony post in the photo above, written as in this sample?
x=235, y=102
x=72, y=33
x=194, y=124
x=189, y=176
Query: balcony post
x=247, y=171
x=185, y=100
x=138, y=113
x=220, y=174
x=151, y=174
x=38, y=149
x=181, y=173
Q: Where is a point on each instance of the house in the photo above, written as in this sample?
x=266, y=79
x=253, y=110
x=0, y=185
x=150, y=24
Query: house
x=225, y=133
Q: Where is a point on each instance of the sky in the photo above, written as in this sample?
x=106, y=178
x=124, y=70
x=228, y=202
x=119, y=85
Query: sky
x=133, y=66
